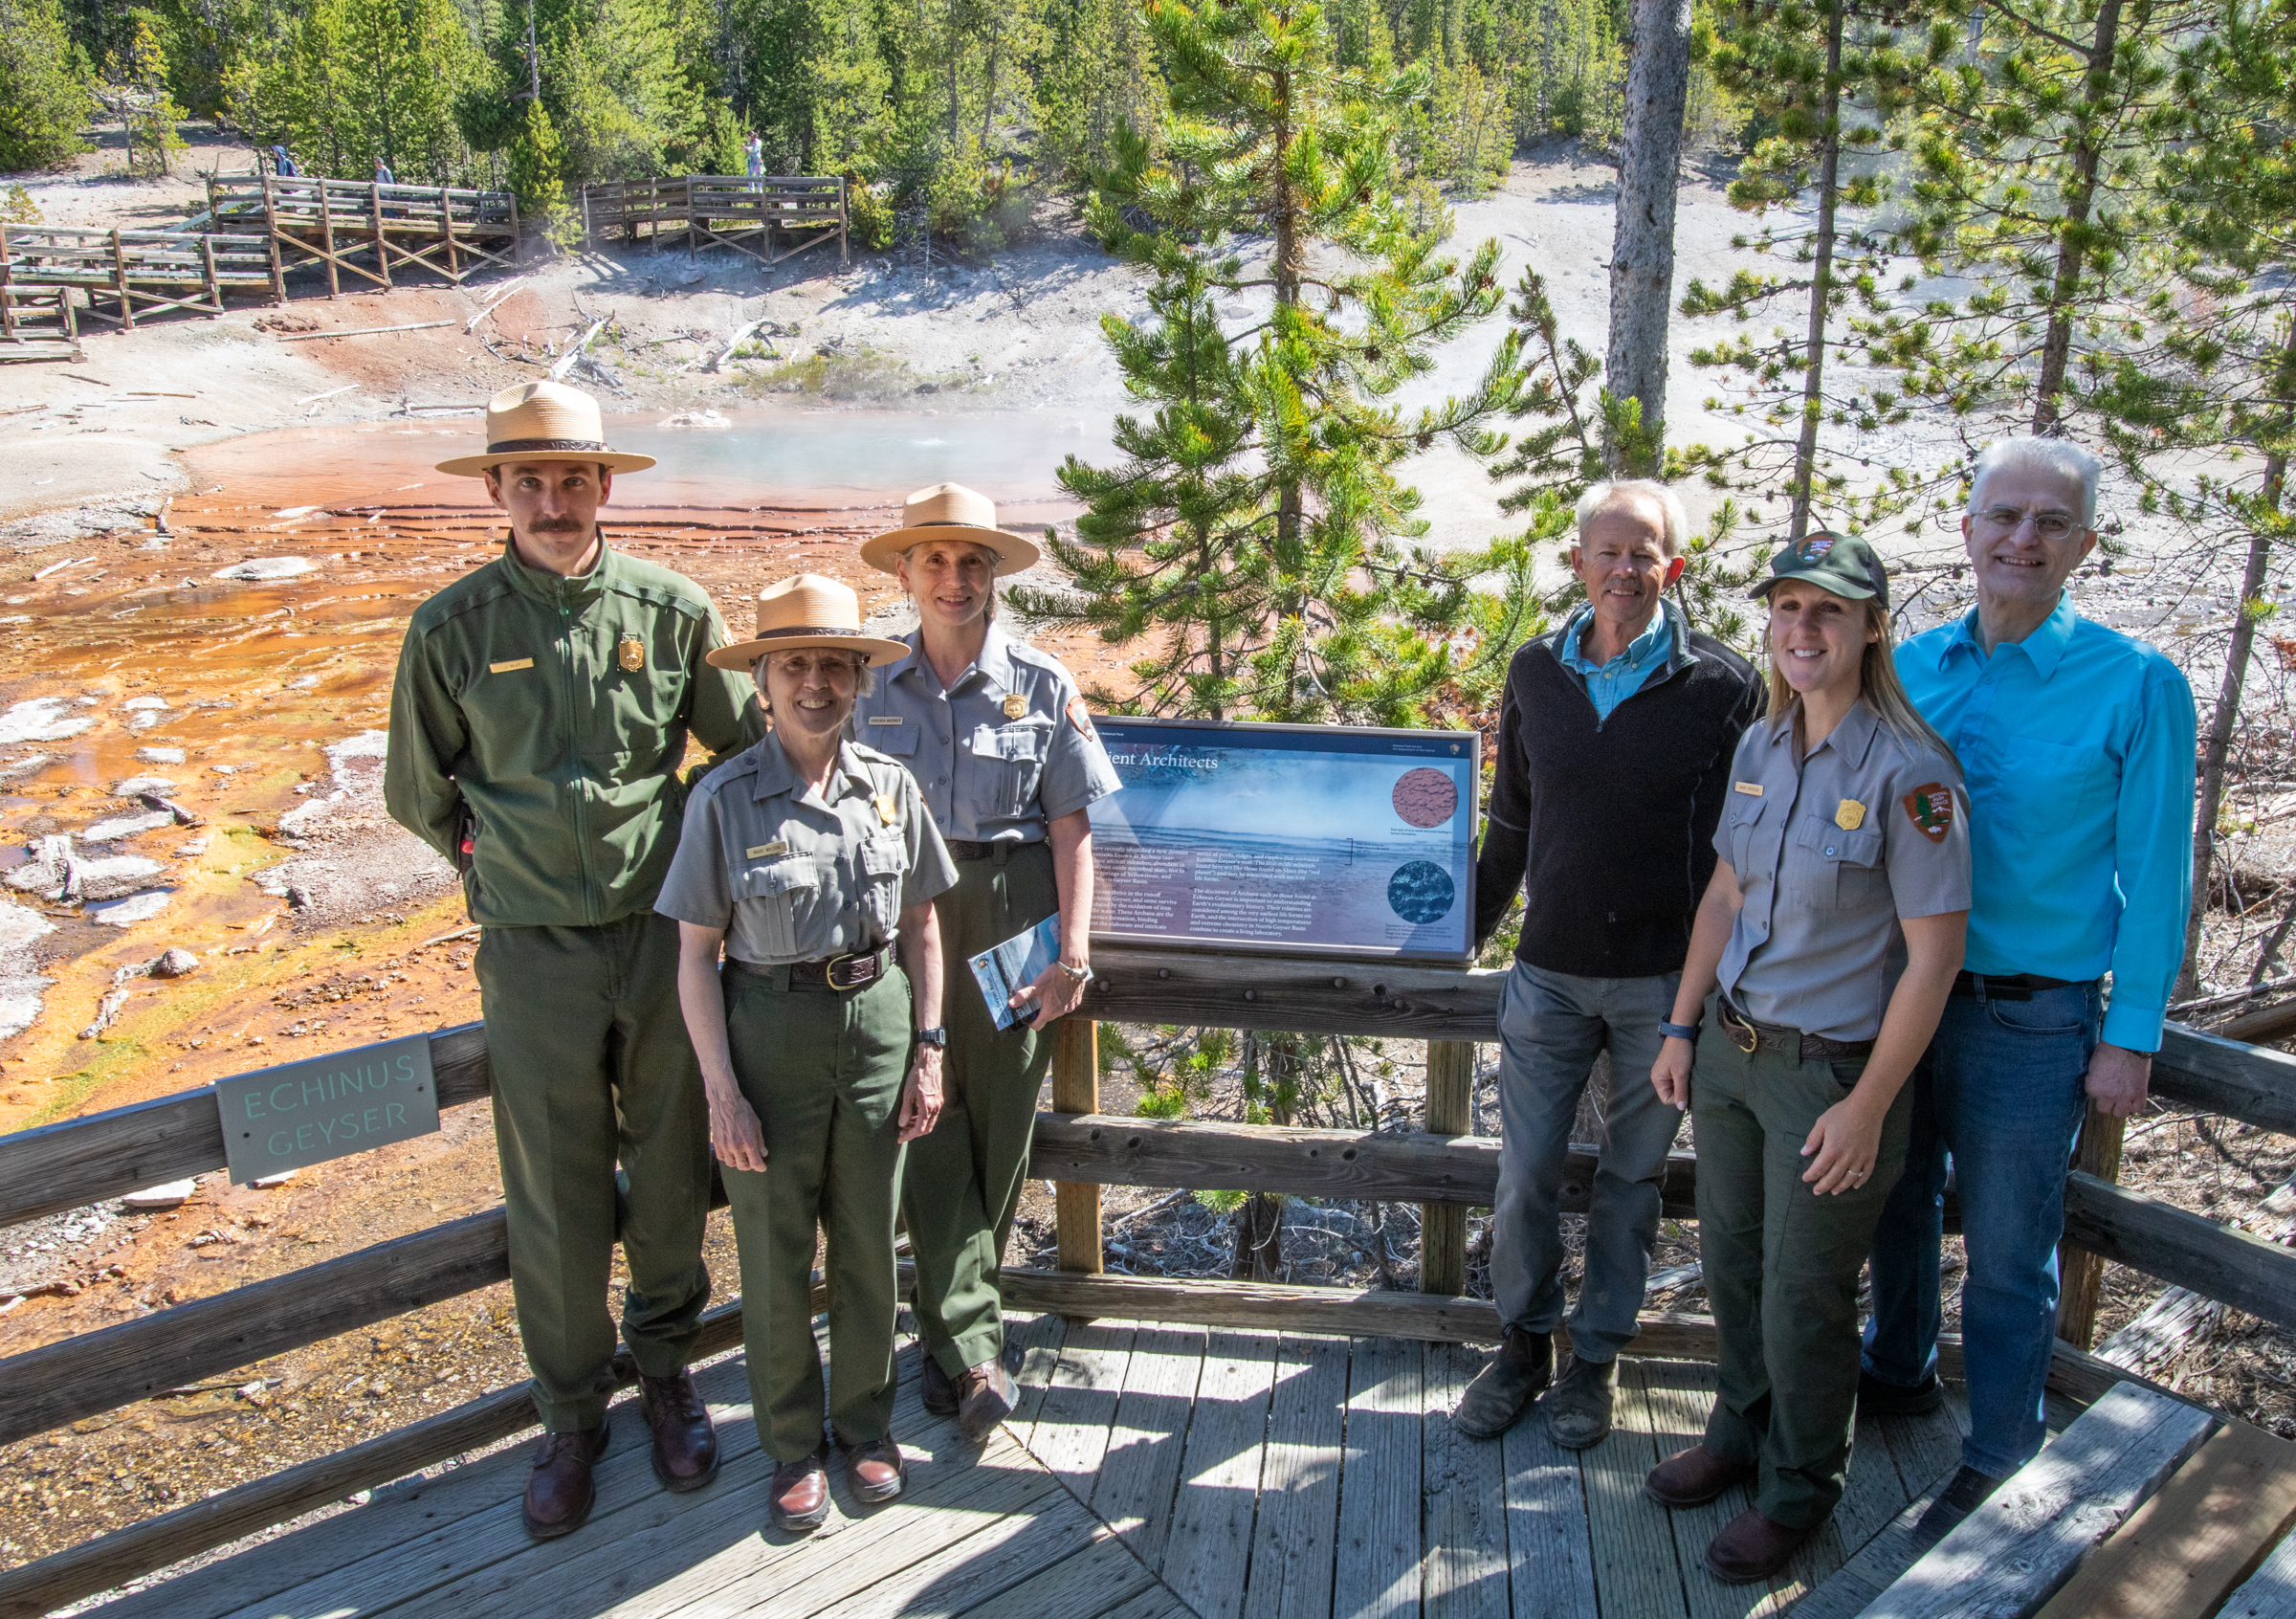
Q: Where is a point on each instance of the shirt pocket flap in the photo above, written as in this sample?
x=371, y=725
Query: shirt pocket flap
x=898, y=738
x=777, y=877
x=1014, y=742
x=882, y=854
x=1744, y=810
x=1828, y=841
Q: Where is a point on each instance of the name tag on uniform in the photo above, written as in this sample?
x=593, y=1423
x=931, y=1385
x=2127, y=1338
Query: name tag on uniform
x=509, y=664
x=766, y=850
x=885, y=719
x=1751, y=789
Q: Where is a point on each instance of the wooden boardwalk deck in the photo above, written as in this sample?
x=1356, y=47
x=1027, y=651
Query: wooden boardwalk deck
x=1151, y=1473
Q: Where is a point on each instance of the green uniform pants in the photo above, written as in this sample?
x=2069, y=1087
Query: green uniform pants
x=1782, y=1267
x=824, y=1071
x=964, y=1179
x=591, y=1066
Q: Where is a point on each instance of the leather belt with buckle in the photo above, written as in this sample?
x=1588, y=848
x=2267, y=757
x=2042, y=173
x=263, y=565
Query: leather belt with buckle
x=840, y=973
x=2012, y=987
x=1750, y=1035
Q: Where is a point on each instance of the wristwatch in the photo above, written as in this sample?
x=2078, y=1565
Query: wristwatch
x=1679, y=1030
x=1077, y=974
x=936, y=1038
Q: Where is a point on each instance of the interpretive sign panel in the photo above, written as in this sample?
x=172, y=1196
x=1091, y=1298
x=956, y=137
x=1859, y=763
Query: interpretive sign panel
x=1329, y=839
x=304, y=1113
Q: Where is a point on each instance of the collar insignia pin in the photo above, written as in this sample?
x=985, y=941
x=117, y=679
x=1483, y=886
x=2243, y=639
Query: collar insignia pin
x=1015, y=706
x=1849, y=815
x=632, y=653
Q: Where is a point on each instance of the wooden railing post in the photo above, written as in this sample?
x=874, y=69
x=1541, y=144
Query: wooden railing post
x=1442, y=1226
x=374, y=203
x=326, y=238
x=2081, y=1274
x=270, y=239
x=127, y=312
x=1076, y=1089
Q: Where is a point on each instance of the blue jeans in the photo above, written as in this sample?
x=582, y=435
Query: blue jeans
x=1551, y=1026
x=2001, y=1090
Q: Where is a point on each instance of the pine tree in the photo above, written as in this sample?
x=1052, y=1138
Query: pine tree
x=44, y=98
x=537, y=161
x=136, y=93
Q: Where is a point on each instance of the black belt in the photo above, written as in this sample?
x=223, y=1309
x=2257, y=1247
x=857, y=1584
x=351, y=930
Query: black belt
x=1000, y=851
x=831, y=972
x=2012, y=986
x=1750, y=1035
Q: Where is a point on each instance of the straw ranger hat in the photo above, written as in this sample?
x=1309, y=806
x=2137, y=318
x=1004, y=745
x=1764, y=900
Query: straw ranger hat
x=543, y=421
x=950, y=511
x=808, y=610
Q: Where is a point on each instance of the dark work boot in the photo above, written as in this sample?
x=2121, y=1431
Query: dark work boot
x=1504, y=1389
x=685, y=1442
x=559, y=1491
x=1577, y=1408
x=1879, y=1399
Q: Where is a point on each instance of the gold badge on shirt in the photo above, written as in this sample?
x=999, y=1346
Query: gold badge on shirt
x=888, y=807
x=1015, y=706
x=632, y=653
x=1849, y=814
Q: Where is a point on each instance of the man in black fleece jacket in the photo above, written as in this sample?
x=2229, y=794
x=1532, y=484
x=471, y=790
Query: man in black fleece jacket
x=1615, y=741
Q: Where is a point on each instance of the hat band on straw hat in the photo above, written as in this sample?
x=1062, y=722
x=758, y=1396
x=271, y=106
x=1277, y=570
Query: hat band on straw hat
x=848, y=631
x=528, y=446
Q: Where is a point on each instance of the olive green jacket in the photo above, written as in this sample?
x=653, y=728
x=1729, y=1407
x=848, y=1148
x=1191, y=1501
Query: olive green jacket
x=543, y=719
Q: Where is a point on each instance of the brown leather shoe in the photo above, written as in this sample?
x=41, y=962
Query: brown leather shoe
x=559, y=1491
x=1751, y=1547
x=1693, y=1477
x=984, y=1396
x=799, y=1495
x=876, y=1470
x=939, y=1392
x=685, y=1443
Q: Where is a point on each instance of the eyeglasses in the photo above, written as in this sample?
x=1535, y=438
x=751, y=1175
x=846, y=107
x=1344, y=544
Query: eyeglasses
x=2049, y=526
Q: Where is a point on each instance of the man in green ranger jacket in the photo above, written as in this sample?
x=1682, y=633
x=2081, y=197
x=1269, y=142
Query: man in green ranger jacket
x=540, y=717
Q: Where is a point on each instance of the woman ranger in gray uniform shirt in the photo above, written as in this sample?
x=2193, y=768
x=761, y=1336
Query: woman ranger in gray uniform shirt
x=1823, y=952
x=808, y=858
x=999, y=741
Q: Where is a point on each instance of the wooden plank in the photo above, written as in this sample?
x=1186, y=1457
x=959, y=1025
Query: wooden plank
x=1075, y=1089
x=1293, y=1541
x=1629, y=1534
x=1268, y=1306
x=1465, y=1508
x=140, y=1548
x=1083, y=1585
x=2270, y=1592
x=1134, y=984
x=1551, y=1572
x=2251, y=1083
x=1395, y=1167
x=951, y=1580
x=1207, y=1552
x=1139, y=1472
x=2191, y=1250
x=2010, y=1556
x=1032, y=1349
x=1071, y=1429
x=1375, y=1571
x=85, y=1161
x=1678, y=1395
x=2205, y=1531
x=1450, y=1111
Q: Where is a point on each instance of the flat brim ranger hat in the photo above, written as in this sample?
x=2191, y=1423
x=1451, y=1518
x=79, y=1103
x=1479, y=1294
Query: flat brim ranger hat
x=543, y=421
x=950, y=511
x=808, y=610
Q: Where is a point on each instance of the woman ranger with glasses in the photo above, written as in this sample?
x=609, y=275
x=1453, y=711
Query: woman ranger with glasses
x=1820, y=962
x=812, y=860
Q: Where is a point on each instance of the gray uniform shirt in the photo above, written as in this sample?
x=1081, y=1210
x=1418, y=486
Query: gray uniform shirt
x=1830, y=853
x=1002, y=751
x=792, y=874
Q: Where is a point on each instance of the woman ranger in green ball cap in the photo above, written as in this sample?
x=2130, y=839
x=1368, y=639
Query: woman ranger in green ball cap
x=1819, y=964
x=997, y=735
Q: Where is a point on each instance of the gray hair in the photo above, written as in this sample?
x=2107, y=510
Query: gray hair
x=865, y=678
x=2060, y=458
x=1674, y=518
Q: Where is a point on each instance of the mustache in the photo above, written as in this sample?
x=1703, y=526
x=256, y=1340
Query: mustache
x=555, y=525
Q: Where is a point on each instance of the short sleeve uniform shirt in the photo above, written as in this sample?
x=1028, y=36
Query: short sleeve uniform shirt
x=1005, y=749
x=1831, y=851
x=791, y=873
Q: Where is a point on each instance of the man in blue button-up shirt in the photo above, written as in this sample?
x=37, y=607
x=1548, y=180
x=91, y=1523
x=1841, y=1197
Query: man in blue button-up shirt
x=2077, y=742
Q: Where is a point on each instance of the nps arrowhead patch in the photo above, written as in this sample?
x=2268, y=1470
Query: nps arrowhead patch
x=1930, y=807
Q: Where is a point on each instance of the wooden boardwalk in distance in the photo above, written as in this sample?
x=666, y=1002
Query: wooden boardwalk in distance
x=1151, y=1473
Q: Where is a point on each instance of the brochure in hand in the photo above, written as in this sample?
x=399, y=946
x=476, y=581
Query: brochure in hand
x=1005, y=970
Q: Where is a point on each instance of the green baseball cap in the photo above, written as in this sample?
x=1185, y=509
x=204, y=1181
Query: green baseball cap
x=1840, y=563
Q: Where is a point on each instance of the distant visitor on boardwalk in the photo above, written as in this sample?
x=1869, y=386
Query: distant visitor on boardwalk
x=811, y=862
x=2078, y=740
x=1823, y=953
x=541, y=710
x=1006, y=758
x=1615, y=739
